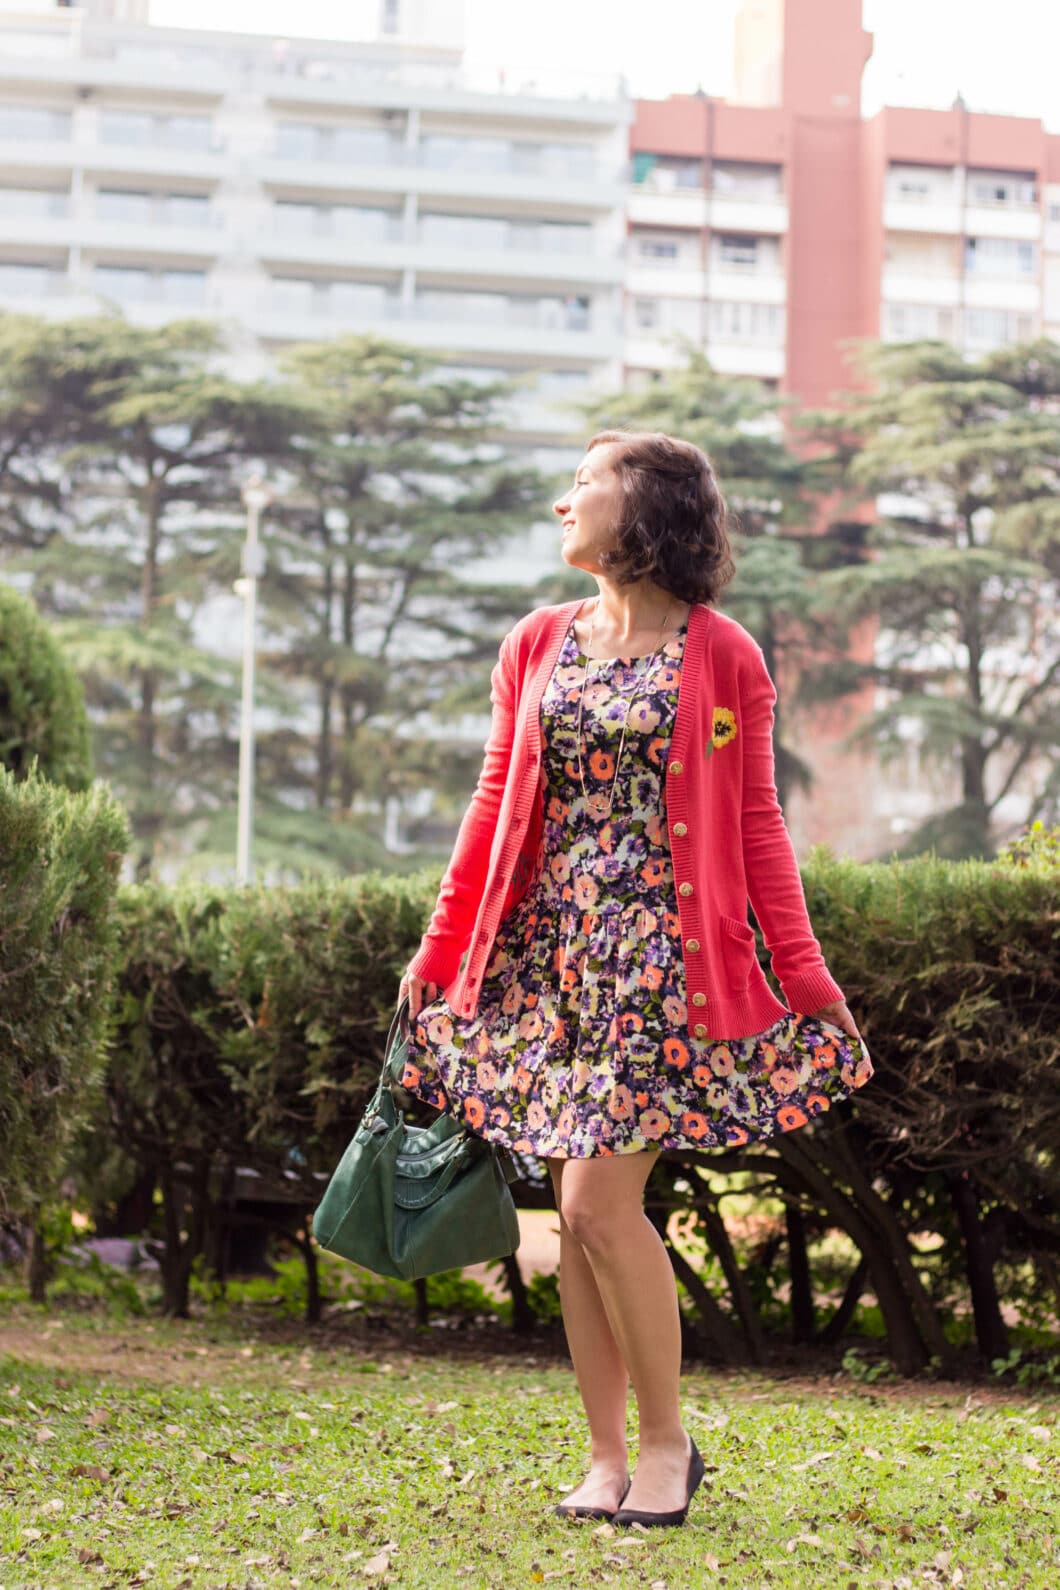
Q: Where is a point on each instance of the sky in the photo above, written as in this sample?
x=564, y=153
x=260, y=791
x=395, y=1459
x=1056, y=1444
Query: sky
x=1001, y=58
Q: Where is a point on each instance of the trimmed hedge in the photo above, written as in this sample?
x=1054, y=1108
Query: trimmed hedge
x=251, y=1026
x=61, y=853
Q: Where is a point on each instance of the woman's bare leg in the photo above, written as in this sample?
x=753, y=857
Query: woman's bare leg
x=600, y=1370
x=602, y=1204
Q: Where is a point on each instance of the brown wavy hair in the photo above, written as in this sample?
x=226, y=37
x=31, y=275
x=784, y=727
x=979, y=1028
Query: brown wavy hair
x=672, y=527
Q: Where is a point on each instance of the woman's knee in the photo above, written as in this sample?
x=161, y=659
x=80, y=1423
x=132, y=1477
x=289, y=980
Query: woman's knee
x=597, y=1203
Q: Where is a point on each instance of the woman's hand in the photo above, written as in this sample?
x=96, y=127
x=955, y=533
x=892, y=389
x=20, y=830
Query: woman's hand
x=415, y=987
x=839, y=1015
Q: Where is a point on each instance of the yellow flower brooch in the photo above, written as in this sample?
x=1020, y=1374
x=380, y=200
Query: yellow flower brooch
x=723, y=730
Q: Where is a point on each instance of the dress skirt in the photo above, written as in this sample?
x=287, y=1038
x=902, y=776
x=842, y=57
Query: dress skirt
x=580, y=1044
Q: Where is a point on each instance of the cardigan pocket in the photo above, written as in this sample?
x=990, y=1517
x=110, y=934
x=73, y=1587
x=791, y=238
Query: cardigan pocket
x=739, y=951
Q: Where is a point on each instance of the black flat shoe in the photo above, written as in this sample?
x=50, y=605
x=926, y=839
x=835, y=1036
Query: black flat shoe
x=696, y=1471
x=590, y=1512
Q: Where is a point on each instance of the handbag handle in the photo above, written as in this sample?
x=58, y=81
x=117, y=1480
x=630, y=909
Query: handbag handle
x=401, y=1011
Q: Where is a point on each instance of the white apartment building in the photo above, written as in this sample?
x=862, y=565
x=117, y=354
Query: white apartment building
x=296, y=190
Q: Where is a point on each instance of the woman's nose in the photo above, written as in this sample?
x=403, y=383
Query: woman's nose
x=560, y=507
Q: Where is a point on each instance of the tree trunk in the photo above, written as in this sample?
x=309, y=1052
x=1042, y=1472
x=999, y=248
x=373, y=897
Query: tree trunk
x=181, y=1251
x=904, y=1341
x=313, y=1300
x=422, y=1306
x=132, y=1211
x=875, y=1209
x=844, y=1312
x=347, y=697
x=37, y=1266
x=739, y=1291
x=325, y=693
x=990, y=1329
x=719, y=1330
x=148, y=824
x=523, y=1317
x=802, y=1313
x=973, y=752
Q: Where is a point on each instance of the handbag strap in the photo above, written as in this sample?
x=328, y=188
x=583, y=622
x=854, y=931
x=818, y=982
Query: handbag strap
x=403, y=1008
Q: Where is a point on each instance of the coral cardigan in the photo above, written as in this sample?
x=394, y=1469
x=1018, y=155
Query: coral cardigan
x=728, y=839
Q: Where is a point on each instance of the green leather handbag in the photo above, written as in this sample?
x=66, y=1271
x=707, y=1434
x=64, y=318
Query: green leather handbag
x=408, y=1200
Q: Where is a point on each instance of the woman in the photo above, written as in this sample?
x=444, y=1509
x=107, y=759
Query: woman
x=612, y=1003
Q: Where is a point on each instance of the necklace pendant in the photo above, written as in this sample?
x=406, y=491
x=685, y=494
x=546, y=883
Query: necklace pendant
x=598, y=805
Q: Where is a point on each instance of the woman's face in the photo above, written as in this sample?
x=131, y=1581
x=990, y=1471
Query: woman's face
x=589, y=510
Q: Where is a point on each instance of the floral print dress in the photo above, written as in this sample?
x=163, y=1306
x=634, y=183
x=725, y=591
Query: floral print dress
x=580, y=1044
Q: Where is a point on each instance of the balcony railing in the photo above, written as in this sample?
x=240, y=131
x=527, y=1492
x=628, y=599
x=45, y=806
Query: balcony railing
x=536, y=316
x=394, y=152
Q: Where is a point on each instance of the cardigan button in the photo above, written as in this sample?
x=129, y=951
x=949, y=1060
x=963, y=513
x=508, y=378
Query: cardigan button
x=684, y=888
x=674, y=767
x=699, y=999
x=680, y=829
x=700, y=1030
x=691, y=944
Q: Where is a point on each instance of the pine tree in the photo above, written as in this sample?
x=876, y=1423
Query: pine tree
x=391, y=486
x=961, y=572
x=123, y=452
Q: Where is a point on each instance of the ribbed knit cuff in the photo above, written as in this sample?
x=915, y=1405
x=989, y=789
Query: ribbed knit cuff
x=435, y=963
x=809, y=991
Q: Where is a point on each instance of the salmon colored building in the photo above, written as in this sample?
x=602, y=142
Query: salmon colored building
x=773, y=226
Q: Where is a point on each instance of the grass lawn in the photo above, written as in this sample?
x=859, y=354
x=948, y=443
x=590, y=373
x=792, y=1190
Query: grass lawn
x=253, y=1452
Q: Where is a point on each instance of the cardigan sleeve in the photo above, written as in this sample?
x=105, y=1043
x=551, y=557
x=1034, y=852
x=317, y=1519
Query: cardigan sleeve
x=774, y=883
x=448, y=933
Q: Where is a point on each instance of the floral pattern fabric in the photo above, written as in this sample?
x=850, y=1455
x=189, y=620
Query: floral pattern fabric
x=580, y=1044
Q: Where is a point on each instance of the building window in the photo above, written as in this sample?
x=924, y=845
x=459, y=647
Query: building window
x=183, y=287
x=25, y=280
x=118, y=205
x=131, y=127
x=645, y=313
x=391, y=18
x=292, y=295
x=33, y=201
x=186, y=209
x=358, y=298
x=29, y=123
x=472, y=154
x=913, y=322
x=742, y=252
x=128, y=284
x=993, y=328
x=746, y=180
x=1007, y=189
x=1000, y=256
x=657, y=248
x=741, y=322
x=663, y=173
x=296, y=140
x=125, y=283
x=300, y=140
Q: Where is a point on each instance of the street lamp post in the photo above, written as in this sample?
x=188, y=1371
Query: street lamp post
x=256, y=497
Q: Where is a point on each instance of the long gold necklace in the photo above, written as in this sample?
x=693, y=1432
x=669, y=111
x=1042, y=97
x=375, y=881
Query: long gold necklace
x=596, y=803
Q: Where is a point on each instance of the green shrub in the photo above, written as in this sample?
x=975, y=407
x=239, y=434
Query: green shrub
x=42, y=708
x=60, y=853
